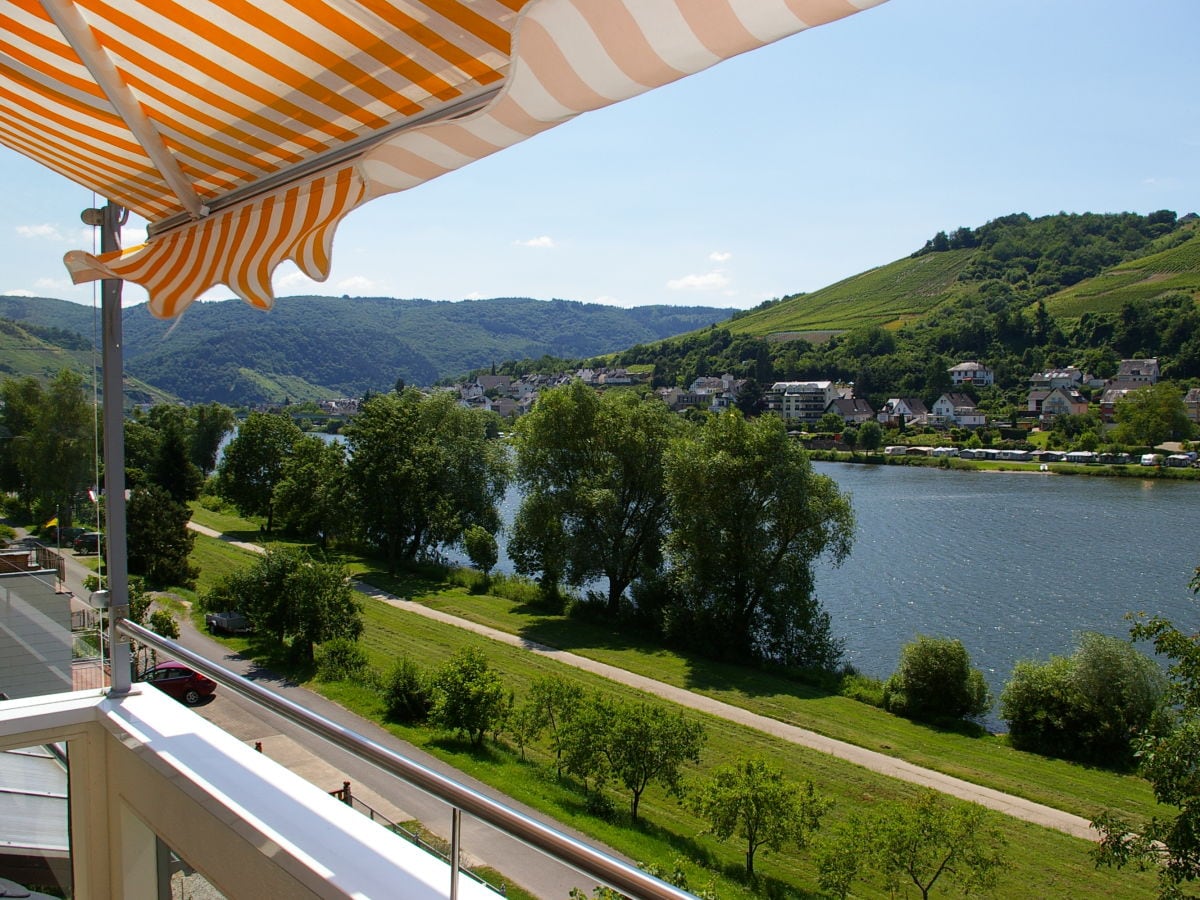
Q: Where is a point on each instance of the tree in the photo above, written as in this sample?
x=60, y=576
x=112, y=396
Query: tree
x=172, y=467
x=831, y=423
x=1169, y=756
x=422, y=472
x=210, y=423
x=870, y=436
x=22, y=403
x=1151, y=415
x=920, y=842
x=469, y=695
x=750, y=517
x=311, y=496
x=595, y=505
x=160, y=542
x=287, y=594
x=634, y=742
x=935, y=680
x=51, y=445
x=555, y=701
x=753, y=800
x=253, y=463
x=481, y=548
x=1087, y=706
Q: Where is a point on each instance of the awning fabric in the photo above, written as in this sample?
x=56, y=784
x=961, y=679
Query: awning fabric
x=244, y=132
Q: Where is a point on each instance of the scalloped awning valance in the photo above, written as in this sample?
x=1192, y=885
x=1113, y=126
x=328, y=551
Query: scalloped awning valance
x=244, y=131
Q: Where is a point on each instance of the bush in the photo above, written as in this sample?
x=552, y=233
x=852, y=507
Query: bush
x=1085, y=707
x=935, y=681
x=162, y=622
x=341, y=659
x=469, y=696
x=408, y=693
x=862, y=688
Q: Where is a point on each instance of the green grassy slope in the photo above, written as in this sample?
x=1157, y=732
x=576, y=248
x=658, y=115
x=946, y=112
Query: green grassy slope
x=1176, y=269
x=889, y=295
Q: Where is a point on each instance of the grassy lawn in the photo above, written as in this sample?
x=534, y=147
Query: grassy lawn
x=1039, y=861
x=986, y=760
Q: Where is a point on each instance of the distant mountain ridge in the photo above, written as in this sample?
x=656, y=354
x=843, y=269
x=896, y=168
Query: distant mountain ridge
x=312, y=347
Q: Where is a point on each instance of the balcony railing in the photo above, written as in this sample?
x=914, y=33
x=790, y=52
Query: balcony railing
x=589, y=861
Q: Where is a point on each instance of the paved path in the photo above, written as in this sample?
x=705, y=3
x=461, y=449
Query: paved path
x=1017, y=807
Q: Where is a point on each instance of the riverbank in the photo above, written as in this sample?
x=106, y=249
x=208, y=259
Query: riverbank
x=1094, y=470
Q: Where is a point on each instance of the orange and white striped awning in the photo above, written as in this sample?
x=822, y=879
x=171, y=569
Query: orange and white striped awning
x=245, y=130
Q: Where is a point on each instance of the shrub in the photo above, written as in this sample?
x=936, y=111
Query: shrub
x=469, y=696
x=935, y=681
x=341, y=659
x=162, y=622
x=1085, y=707
x=862, y=688
x=408, y=693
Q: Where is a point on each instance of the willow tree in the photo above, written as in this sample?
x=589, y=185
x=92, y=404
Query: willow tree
x=749, y=519
x=595, y=504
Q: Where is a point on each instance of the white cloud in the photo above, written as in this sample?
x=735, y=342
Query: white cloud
x=291, y=280
x=545, y=242
x=50, y=232
x=608, y=301
x=474, y=295
x=19, y=292
x=720, y=256
x=356, y=284
x=53, y=284
x=709, y=281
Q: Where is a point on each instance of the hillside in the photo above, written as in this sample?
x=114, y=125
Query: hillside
x=309, y=348
x=1018, y=293
x=887, y=296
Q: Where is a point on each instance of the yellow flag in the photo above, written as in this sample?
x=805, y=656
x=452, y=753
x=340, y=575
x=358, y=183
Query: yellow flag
x=51, y=523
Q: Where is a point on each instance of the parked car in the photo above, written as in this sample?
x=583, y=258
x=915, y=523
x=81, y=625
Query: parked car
x=64, y=537
x=230, y=622
x=88, y=542
x=180, y=682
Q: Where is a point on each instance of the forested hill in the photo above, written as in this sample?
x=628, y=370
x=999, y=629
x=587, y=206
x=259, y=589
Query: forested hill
x=315, y=347
x=1019, y=294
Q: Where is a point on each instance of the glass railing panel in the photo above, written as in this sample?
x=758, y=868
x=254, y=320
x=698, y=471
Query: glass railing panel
x=35, y=845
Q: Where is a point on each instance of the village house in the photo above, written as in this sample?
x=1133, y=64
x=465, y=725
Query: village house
x=1137, y=371
x=971, y=372
x=956, y=408
x=1062, y=401
x=853, y=410
x=803, y=402
x=1191, y=403
x=901, y=411
x=1054, y=378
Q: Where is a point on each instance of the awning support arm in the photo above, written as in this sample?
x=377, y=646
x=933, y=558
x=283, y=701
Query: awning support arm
x=83, y=40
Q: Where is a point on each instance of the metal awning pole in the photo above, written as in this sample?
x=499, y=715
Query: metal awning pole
x=114, y=541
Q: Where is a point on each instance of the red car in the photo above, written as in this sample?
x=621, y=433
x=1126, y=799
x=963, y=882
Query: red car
x=180, y=682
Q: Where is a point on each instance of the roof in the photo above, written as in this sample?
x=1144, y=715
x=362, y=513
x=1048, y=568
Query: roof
x=244, y=133
x=969, y=366
x=34, y=784
x=959, y=400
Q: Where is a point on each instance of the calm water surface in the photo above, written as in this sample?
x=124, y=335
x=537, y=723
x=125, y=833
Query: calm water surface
x=1013, y=565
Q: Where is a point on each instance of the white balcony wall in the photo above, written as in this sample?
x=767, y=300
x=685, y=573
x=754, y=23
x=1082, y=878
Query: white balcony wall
x=144, y=765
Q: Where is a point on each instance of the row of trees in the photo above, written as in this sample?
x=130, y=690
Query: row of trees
x=601, y=742
x=417, y=472
x=706, y=533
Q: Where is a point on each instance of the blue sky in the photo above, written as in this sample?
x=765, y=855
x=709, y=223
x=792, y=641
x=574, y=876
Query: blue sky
x=781, y=171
